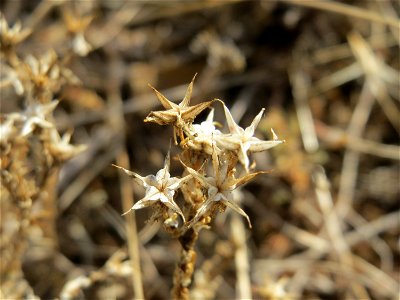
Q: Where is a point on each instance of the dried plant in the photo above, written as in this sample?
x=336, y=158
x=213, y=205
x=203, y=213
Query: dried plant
x=204, y=195
x=323, y=224
x=32, y=152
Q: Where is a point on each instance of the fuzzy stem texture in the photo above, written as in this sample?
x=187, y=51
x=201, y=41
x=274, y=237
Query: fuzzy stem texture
x=184, y=269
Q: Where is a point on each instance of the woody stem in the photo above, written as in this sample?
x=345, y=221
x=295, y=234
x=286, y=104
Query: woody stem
x=184, y=269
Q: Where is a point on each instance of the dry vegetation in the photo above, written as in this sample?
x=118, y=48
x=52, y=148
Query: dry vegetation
x=74, y=94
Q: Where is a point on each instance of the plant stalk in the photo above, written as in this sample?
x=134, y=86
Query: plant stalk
x=184, y=269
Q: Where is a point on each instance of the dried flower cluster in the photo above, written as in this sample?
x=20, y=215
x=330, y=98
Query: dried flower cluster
x=205, y=191
x=201, y=143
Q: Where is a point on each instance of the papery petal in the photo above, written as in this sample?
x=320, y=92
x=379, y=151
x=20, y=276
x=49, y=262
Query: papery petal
x=186, y=100
x=151, y=180
x=34, y=122
x=210, y=117
x=211, y=181
x=166, y=168
x=164, y=101
x=246, y=178
x=228, y=141
x=243, y=158
x=237, y=208
x=163, y=196
x=154, y=194
x=233, y=127
x=132, y=174
x=3, y=24
x=45, y=109
x=249, y=131
x=61, y=148
x=172, y=205
x=212, y=193
x=174, y=183
x=197, y=175
x=215, y=162
x=191, y=112
x=258, y=146
x=223, y=172
x=274, y=136
x=205, y=130
x=162, y=117
x=142, y=203
x=162, y=176
x=6, y=130
x=201, y=211
x=169, y=193
x=80, y=45
x=16, y=82
x=33, y=64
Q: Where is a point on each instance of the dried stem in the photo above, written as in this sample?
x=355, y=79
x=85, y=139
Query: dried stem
x=185, y=267
x=131, y=231
x=351, y=158
x=116, y=114
x=349, y=10
x=243, y=285
x=300, y=87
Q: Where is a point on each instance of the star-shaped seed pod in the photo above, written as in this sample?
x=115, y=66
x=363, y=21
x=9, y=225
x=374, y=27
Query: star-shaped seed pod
x=159, y=188
x=243, y=141
x=180, y=115
x=220, y=187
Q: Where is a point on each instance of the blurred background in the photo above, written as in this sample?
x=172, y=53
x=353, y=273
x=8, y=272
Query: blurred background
x=325, y=221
